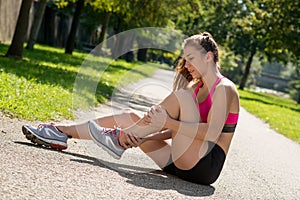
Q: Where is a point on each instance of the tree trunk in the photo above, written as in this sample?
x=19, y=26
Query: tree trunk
x=115, y=47
x=48, y=32
x=16, y=47
x=142, y=55
x=129, y=56
x=75, y=23
x=38, y=18
x=247, y=70
x=62, y=31
x=127, y=47
x=98, y=49
x=104, y=27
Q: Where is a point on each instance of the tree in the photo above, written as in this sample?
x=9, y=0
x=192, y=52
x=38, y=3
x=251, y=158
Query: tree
x=275, y=29
x=16, y=48
x=154, y=14
x=267, y=28
x=127, y=15
x=124, y=15
x=283, y=22
x=104, y=26
x=38, y=18
x=107, y=7
x=294, y=91
x=75, y=23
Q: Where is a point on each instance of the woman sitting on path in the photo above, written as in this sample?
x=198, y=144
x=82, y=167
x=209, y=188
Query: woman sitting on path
x=199, y=117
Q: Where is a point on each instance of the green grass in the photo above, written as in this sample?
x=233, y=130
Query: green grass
x=48, y=84
x=282, y=115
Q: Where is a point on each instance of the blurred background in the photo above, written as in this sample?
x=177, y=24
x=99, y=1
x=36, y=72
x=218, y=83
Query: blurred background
x=259, y=39
x=45, y=43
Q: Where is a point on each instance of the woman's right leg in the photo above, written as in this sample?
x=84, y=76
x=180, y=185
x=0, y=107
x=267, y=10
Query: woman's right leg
x=80, y=131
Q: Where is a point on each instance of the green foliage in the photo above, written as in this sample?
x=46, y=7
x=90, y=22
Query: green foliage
x=267, y=27
x=40, y=87
x=294, y=91
x=283, y=115
x=147, y=13
x=229, y=62
x=63, y=3
x=282, y=20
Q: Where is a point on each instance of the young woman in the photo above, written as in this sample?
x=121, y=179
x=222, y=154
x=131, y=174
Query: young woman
x=199, y=117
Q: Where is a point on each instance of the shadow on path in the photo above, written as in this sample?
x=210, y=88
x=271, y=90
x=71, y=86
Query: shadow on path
x=139, y=176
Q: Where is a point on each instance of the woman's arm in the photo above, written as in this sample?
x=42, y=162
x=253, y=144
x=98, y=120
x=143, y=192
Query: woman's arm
x=161, y=135
x=132, y=141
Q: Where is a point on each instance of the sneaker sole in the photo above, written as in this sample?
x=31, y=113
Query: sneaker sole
x=103, y=146
x=35, y=139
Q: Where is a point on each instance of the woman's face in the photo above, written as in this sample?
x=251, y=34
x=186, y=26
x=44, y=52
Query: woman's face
x=194, y=61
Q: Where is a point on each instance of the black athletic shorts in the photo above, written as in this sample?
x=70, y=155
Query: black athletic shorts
x=206, y=171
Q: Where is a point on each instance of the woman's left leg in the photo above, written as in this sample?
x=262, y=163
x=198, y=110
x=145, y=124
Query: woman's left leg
x=80, y=131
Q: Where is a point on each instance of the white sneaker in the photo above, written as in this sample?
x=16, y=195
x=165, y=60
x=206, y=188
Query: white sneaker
x=106, y=138
x=47, y=135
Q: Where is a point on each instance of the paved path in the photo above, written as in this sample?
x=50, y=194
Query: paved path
x=261, y=164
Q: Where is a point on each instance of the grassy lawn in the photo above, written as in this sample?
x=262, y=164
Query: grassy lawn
x=48, y=84
x=283, y=115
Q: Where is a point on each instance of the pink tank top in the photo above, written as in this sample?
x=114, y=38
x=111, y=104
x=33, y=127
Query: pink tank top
x=205, y=106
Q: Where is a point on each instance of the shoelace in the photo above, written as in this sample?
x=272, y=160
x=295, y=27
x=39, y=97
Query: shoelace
x=46, y=125
x=109, y=131
x=113, y=133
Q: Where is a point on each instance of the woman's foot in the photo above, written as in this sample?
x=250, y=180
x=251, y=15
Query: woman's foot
x=46, y=135
x=106, y=138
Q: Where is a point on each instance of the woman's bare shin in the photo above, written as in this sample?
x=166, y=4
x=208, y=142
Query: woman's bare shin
x=141, y=129
x=80, y=130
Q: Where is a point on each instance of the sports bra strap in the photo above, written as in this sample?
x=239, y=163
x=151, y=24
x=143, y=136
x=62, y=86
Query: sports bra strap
x=214, y=85
x=197, y=89
x=212, y=88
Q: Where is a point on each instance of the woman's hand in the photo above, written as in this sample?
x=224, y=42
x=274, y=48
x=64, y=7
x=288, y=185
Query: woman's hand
x=157, y=116
x=128, y=141
x=146, y=119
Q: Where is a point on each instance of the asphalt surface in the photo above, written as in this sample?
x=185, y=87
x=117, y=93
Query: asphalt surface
x=261, y=163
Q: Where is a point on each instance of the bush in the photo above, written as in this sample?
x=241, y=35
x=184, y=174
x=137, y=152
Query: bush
x=294, y=90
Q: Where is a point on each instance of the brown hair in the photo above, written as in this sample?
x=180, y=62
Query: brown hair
x=203, y=41
x=182, y=77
